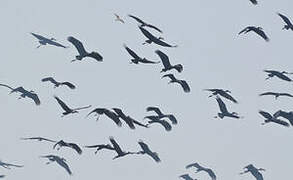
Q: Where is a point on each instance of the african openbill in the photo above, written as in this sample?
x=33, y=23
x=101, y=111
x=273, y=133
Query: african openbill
x=272, y=118
x=201, y=168
x=183, y=83
x=136, y=59
x=223, y=93
x=57, y=84
x=143, y=24
x=166, y=62
x=44, y=41
x=59, y=160
x=62, y=143
x=224, y=111
x=67, y=109
x=254, y=171
x=257, y=30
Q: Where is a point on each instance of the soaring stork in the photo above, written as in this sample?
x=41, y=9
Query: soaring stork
x=273, y=118
x=275, y=94
x=224, y=111
x=44, y=41
x=118, y=18
x=82, y=52
x=166, y=62
x=8, y=165
x=153, y=39
x=286, y=115
x=280, y=75
x=254, y=171
x=288, y=24
x=125, y=118
x=142, y=23
x=67, y=109
x=118, y=149
x=100, y=147
x=161, y=115
x=62, y=143
x=59, y=160
x=136, y=59
x=39, y=139
x=223, y=93
x=112, y=115
x=257, y=30
x=146, y=150
x=183, y=83
x=57, y=84
x=155, y=119
x=201, y=168
x=24, y=93
x=186, y=177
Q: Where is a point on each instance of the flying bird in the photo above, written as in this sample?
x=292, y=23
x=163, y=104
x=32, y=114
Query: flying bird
x=24, y=93
x=8, y=165
x=166, y=62
x=152, y=39
x=257, y=30
x=136, y=59
x=100, y=147
x=118, y=149
x=68, y=110
x=286, y=115
x=161, y=115
x=280, y=75
x=44, y=41
x=82, y=52
x=224, y=111
x=57, y=84
x=164, y=123
x=38, y=139
x=288, y=24
x=146, y=150
x=186, y=177
x=275, y=94
x=201, y=168
x=59, y=160
x=254, y=2
x=142, y=23
x=254, y=171
x=223, y=93
x=272, y=118
x=62, y=143
x=125, y=118
x=183, y=83
x=118, y=18
x=112, y=115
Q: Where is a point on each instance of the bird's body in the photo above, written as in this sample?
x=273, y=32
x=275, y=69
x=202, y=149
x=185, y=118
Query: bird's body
x=183, y=83
x=136, y=59
x=280, y=75
x=288, y=24
x=272, y=118
x=57, y=84
x=276, y=94
x=164, y=123
x=112, y=115
x=146, y=150
x=144, y=24
x=286, y=115
x=125, y=118
x=254, y=171
x=118, y=149
x=60, y=161
x=68, y=110
x=201, y=168
x=166, y=62
x=82, y=52
x=224, y=111
x=100, y=147
x=153, y=39
x=257, y=30
x=118, y=18
x=161, y=115
x=38, y=139
x=223, y=93
x=8, y=165
x=62, y=143
x=44, y=41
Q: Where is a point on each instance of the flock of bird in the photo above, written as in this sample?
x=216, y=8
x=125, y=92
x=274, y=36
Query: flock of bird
x=167, y=121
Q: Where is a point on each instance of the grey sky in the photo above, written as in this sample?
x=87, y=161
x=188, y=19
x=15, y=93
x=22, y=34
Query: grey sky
x=213, y=57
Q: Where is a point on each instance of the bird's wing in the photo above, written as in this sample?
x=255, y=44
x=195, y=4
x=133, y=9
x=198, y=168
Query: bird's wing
x=186, y=177
x=262, y=34
x=164, y=58
x=116, y=146
x=84, y=107
x=285, y=19
x=196, y=165
x=75, y=147
x=63, y=164
x=70, y=85
x=78, y=45
x=164, y=123
x=244, y=30
x=221, y=104
x=212, y=174
x=19, y=89
x=228, y=96
x=172, y=118
x=39, y=36
x=51, y=79
x=38, y=138
x=267, y=93
x=132, y=53
x=129, y=122
x=155, y=109
x=113, y=116
x=281, y=122
x=253, y=2
x=283, y=76
x=154, y=27
x=184, y=85
x=34, y=97
x=56, y=44
x=62, y=104
x=96, y=56
x=147, y=34
x=4, y=85
x=171, y=76
x=286, y=94
x=147, y=150
x=265, y=114
x=137, y=19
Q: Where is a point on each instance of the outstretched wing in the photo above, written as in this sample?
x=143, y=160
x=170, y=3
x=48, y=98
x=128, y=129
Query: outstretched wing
x=265, y=114
x=39, y=36
x=155, y=109
x=286, y=94
x=116, y=146
x=268, y=93
x=75, y=147
x=70, y=85
x=78, y=45
x=62, y=104
x=186, y=177
x=137, y=19
x=253, y=2
x=285, y=19
x=50, y=79
x=164, y=58
x=228, y=96
x=164, y=123
x=132, y=53
x=147, y=150
x=96, y=56
x=171, y=76
x=63, y=164
x=185, y=86
x=221, y=104
x=34, y=97
x=261, y=33
x=196, y=165
x=245, y=30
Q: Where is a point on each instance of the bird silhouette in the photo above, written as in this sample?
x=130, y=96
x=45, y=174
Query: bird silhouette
x=112, y=115
x=39, y=139
x=224, y=111
x=8, y=165
x=272, y=118
x=143, y=24
x=280, y=75
x=286, y=115
x=288, y=24
x=68, y=110
x=118, y=149
x=183, y=83
x=44, y=41
x=125, y=118
x=275, y=94
x=257, y=30
x=62, y=143
x=146, y=150
x=166, y=62
x=201, y=168
x=164, y=123
x=59, y=160
x=136, y=59
x=223, y=93
x=82, y=52
x=254, y=171
x=57, y=84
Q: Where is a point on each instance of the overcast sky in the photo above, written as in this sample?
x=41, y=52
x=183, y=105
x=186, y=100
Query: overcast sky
x=213, y=56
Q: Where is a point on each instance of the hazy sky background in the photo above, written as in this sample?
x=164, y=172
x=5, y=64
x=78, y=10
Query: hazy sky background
x=212, y=53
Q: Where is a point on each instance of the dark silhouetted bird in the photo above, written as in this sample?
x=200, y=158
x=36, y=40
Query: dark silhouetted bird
x=142, y=23
x=281, y=75
x=286, y=115
x=257, y=30
x=67, y=109
x=276, y=94
x=186, y=177
x=183, y=83
x=272, y=118
x=58, y=160
x=62, y=143
x=136, y=59
x=254, y=171
x=155, y=119
x=161, y=115
x=39, y=139
x=288, y=24
x=24, y=93
x=125, y=118
x=223, y=93
x=100, y=147
x=118, y=149
x=253, y=2
x=153, y=39
x=112, y=115
x=167, y=65
x=200, y=168
x=57, y=84
x=146, y=150
x=8, y=165
x=82, y=52
x=45, y=41
x=224, y=112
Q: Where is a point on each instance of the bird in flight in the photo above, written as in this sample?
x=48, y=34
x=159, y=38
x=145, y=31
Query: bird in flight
x=224, y=111
x=100, y=147
x=166, y=62
x=82, y=52
x=280, y=75
x=59, y=160
x=136, y=59
x=125, y=118
x=275, y=94
x=142, y=23
x=118, y=149
x=257, y=30
x=272, y=118
x=286, y=115
x=118, y=18
x=161, y=115
x=254, y=2
x=62, y=143
x=155, y=119
x=57, y=84
x=112, y=115
x=44, y=41
x=288, y=24
x=38, y=139
x=8, y=165
x=183, y=83
x=254, y=171
x=146, y=150
x=68, y=110
x=201, y=168
x=223, y=93
x=24, y=93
